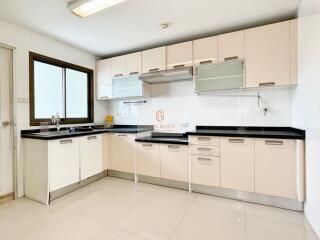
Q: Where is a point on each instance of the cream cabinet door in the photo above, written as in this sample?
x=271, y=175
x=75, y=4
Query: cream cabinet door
x=121, y=152
x=231, y=46
x=205, y=50
x=154, y=60
x=267, y=53
x=237, y=163
x=179, y=55
x=64, y=163
x=118, y=66
x=104, y=79
x=91, y=161
x=133, y=63
x=174, y=162
x=275, y=167
x=148, y=159
x=205, y=170
x=294, y=50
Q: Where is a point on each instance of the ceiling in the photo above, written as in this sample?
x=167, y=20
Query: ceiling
x=135, y=24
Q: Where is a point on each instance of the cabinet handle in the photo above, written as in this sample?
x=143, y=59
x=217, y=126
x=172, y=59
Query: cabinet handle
x=273, y=142
x=204, y=159
x=154, y=70
x=146, y=144
x=204, y=149
x=133, y=73
x=118, y=75
x=122, y=135
x=178, y=66
x=204, y=139
x=205, y=62
x=66, y=141
x=92, y=137
x=104, y=97
x=173, y=147
x=236, y=140
x=267, y=84
x=231, y=58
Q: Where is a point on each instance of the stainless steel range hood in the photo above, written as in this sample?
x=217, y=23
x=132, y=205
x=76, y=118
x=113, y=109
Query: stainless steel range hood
x=174, y=75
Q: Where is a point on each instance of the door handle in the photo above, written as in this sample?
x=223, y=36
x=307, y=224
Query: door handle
x=6, y=123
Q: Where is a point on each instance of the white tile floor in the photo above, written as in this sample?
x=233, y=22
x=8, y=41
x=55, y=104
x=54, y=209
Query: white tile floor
x=115, y=209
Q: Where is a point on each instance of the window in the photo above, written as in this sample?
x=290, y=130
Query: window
x=59, y=87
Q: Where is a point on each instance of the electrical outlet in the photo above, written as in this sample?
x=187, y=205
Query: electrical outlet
x=185, y=125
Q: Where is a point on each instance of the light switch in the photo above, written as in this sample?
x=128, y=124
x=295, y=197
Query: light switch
x=23, y=100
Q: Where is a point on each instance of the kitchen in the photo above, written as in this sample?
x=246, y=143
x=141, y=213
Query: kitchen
x=140, y=140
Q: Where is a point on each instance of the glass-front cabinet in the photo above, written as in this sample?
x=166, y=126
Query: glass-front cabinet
x=129, y=86
x=221, y=76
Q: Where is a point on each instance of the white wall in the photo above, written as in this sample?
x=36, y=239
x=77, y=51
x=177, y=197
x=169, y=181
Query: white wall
x=306, y=104
x=181, y=106
x=23, y=41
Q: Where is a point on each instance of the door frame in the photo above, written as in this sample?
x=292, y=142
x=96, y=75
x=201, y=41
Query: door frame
x=13, y=111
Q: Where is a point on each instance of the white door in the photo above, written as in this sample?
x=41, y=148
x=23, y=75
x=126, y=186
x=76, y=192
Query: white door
x=6, y=138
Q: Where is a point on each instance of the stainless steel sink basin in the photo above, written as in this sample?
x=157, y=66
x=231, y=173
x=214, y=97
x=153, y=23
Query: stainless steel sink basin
x=52, y=133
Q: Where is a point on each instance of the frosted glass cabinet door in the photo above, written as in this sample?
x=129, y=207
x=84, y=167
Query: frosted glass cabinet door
x=219, y=76
x=129, y=86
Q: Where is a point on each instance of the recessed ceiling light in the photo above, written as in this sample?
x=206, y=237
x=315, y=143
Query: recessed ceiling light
x=84, y=8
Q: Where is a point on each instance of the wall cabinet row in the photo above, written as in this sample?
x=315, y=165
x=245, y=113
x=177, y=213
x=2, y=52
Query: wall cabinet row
x=264, y=166
x=269, y=53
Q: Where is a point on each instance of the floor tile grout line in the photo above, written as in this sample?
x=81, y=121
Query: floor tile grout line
x=183, y=217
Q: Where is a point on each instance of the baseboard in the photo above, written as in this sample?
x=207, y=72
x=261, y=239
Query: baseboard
x=73, y=187
x=119, y=174
x=6, y=198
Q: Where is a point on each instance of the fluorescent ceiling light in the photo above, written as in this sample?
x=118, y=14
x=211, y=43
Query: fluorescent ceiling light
x=84, y=8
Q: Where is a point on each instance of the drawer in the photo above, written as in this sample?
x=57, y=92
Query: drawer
x=205, y=170
x=204, y=140
x=205, y=150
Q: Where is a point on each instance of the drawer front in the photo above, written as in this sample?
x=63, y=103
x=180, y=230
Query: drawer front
x=204, y=140
x=205, y=170
x=205, y=150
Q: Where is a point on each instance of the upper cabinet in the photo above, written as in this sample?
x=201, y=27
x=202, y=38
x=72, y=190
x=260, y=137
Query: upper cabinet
x=118, y=66
x=154, y=60
x=205, y=50
x=231, y=46
x=179, y=55
x=267, y=54
x=104, y=79
x=133, y=63
x=294, y=51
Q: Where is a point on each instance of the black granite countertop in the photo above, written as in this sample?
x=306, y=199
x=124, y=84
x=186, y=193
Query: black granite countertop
x=83, y=131
x=251, y=132
x=166, y=138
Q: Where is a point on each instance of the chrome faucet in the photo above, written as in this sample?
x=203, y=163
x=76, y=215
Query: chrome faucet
x=56, y=120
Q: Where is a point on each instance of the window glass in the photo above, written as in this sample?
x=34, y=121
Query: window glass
x=76, y=94
x=48, y=90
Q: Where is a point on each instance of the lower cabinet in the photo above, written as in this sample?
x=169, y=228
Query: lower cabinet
x=205, y=170
x=275, y=167
x=121, y=152
x=174, y=162
x=91, y=162
x=237, y=163
x=148, y=159
x=63, y=159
